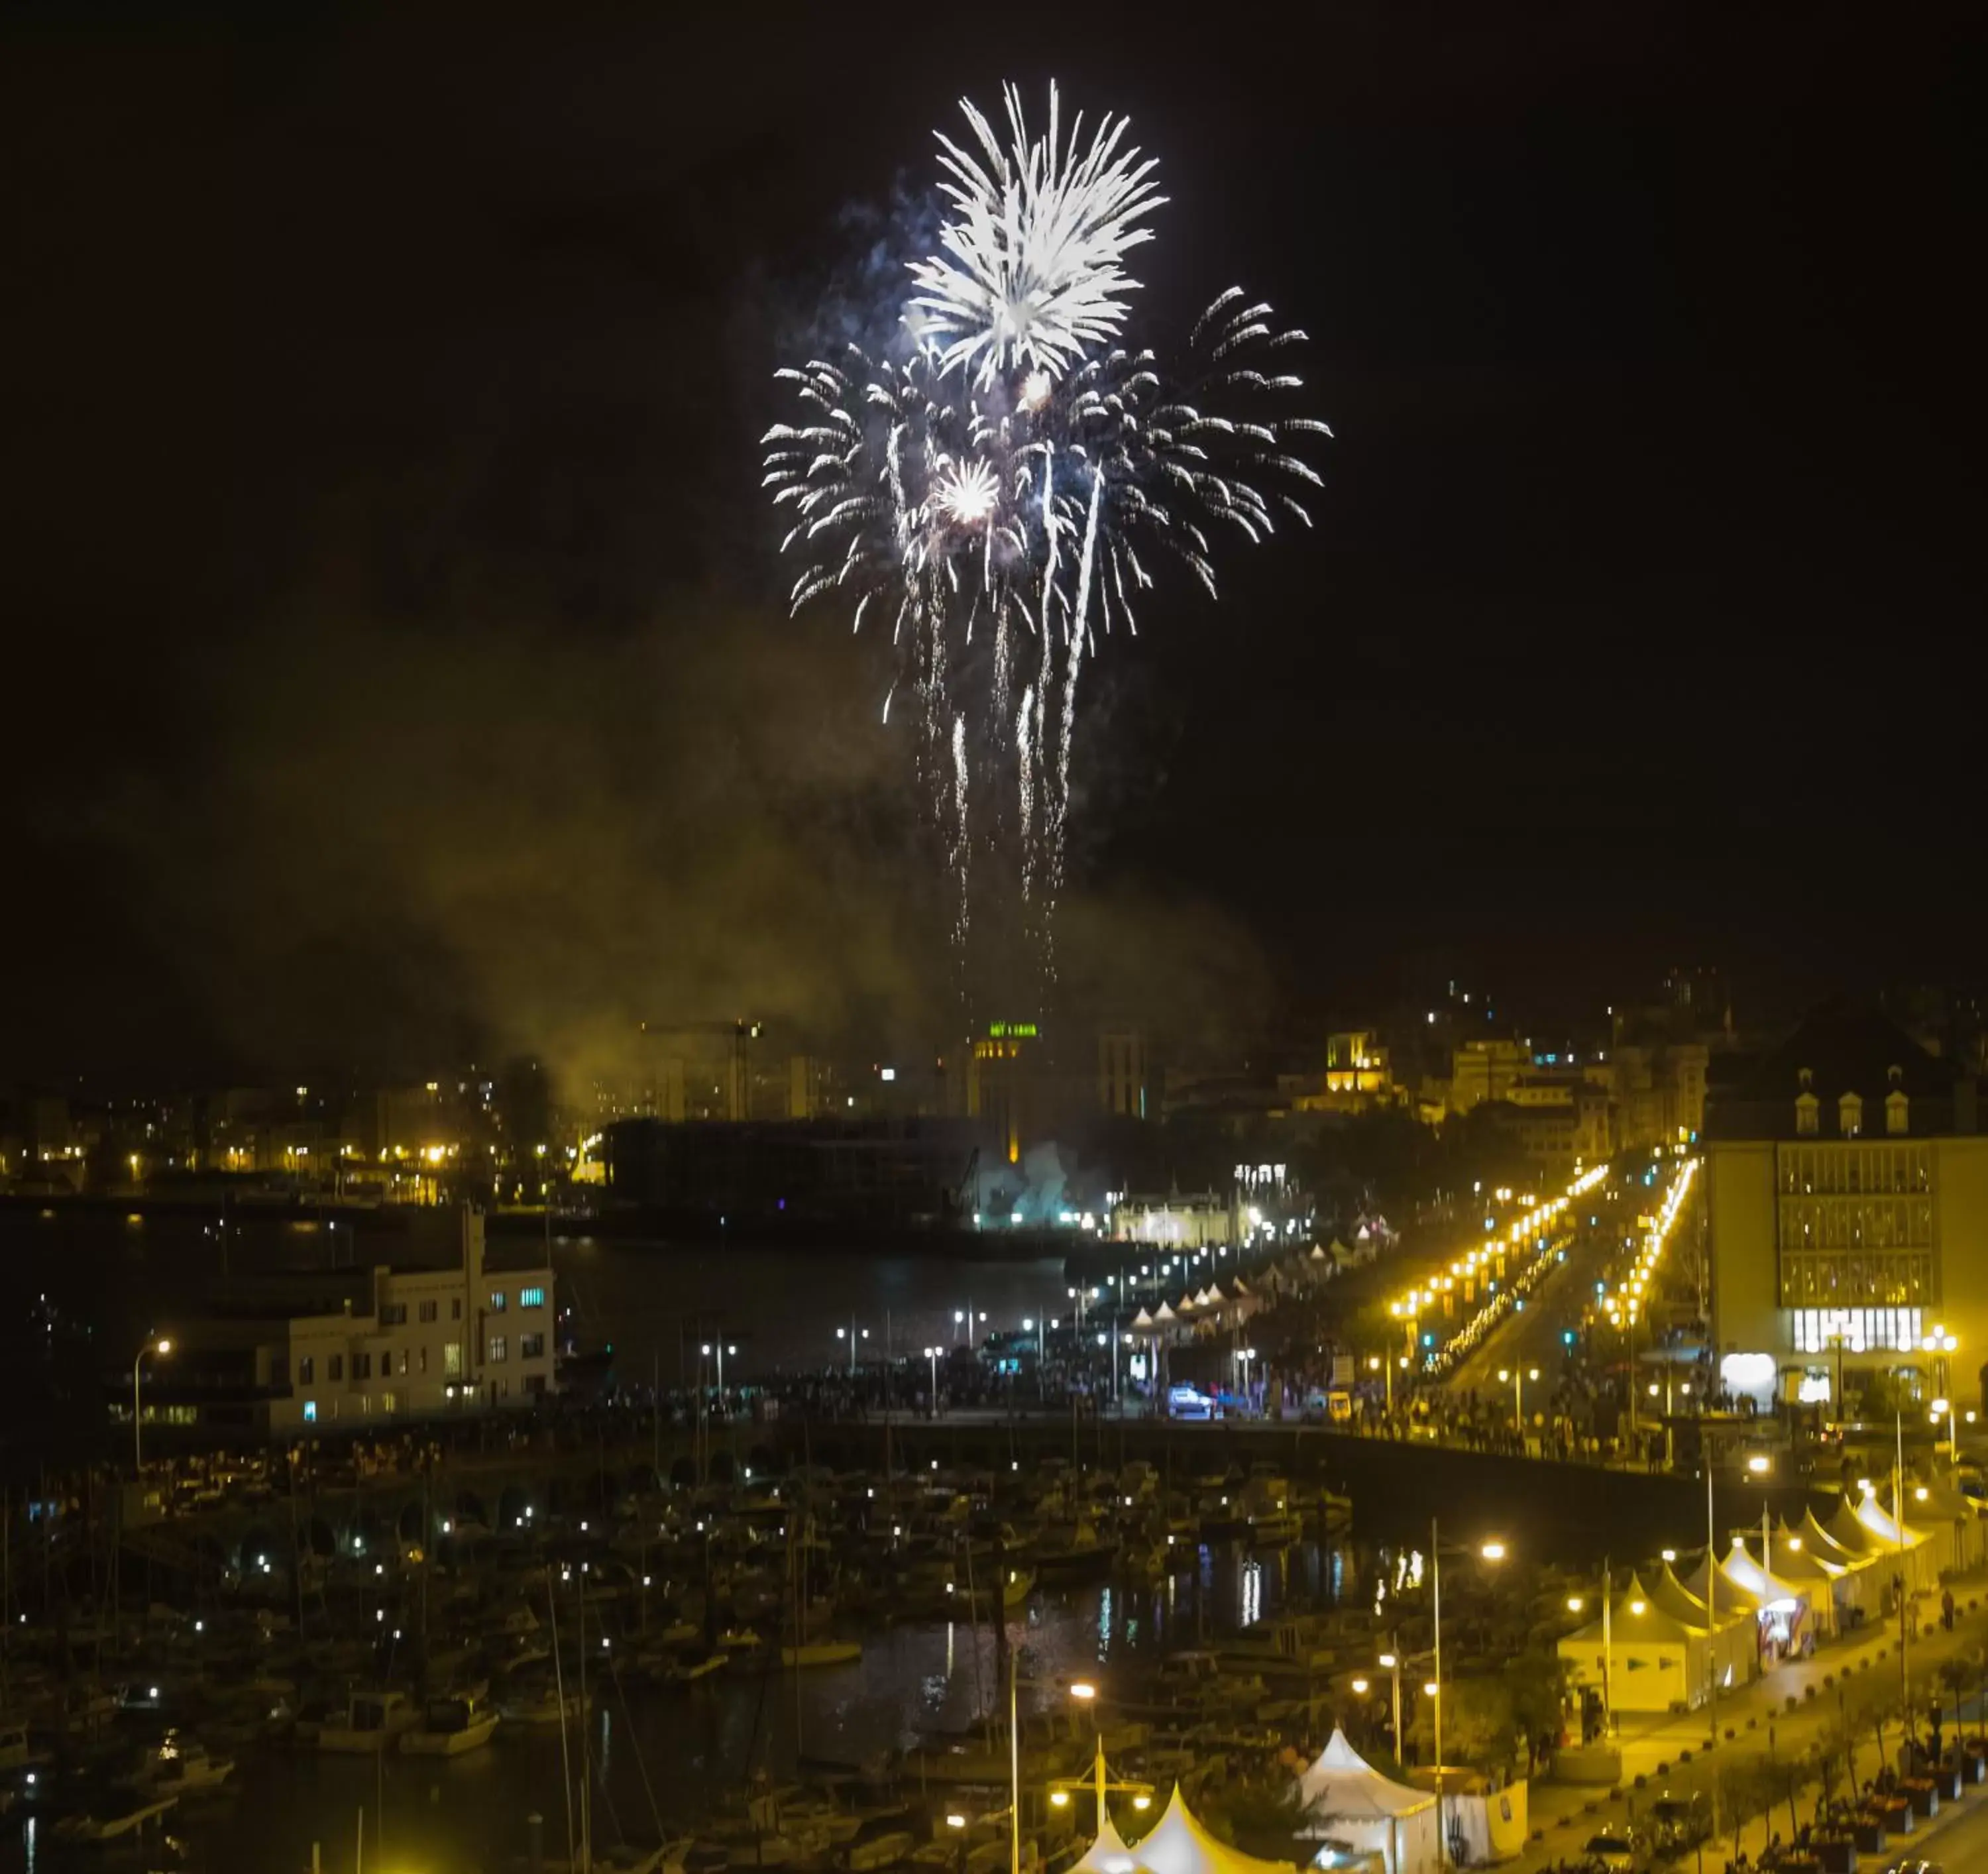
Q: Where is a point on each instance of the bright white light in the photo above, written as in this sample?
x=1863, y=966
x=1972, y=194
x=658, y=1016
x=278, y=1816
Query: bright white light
x=967, y=494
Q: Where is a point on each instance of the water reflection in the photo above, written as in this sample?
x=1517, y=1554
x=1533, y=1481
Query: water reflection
x=669, y=1753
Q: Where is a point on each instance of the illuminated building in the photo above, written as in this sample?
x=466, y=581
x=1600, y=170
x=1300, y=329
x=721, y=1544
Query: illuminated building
x=1481, y=1071
x=1004, y=1084
x=1847, y=1194
x=350, y=1349
x=1196, y=1220
x=1355, y=1062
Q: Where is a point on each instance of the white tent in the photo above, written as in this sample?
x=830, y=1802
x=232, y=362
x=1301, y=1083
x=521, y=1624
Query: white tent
x=1179, y=1844
x=1349, y=1800
x=1654, y=1660
x=1736, y=1641
x=1107, y=1855
x=1781, y=1607
x=1859, y=1589
x=1912, y=1552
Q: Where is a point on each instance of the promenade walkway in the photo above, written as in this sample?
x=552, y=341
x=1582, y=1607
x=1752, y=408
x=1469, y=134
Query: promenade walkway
x=1755, y=1721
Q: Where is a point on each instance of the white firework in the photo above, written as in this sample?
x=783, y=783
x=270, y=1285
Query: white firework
x=1033, y=272
x=1013, y=472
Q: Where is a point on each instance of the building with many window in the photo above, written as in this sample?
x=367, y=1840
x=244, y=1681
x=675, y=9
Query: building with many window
x=396, y=1345
x=1847, y=1195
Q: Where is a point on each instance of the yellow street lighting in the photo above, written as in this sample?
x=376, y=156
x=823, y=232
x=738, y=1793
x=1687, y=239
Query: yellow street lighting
x=1142, y=1801
x=1429, y=1688
x=1637, y=1607
x=1492, y=1551
x=1389, y=1661
x=1574, y=1604
x=1060, y=1798
x=957, y=1821
x=1360, y=1688
x=1083, y=1690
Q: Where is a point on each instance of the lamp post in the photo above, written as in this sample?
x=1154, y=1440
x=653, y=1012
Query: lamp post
x=1493, y=1552
x=1574, y=1604
x=1387, y=1367
x=1392, y=1662
x=964, y=1319
x=931, y=1354
x=162, y=1347
x=1518, y=1376
x=1940, y=1343
x=852, y=1334
x=721, y=1349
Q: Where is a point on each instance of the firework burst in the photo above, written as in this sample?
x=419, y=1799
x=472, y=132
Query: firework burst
x=1013, y=473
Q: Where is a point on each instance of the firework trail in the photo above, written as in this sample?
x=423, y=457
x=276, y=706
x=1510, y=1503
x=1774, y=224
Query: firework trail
x=1009, y=470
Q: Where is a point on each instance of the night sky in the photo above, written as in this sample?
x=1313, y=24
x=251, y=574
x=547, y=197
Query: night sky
x=395, y=655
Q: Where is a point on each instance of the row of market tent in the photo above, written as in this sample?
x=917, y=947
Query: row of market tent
x=1664, y=1640
x=1354, y=1813
x=1198, y=1310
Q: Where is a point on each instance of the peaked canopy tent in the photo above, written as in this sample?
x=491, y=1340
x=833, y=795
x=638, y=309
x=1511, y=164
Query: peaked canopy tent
x=1347, y=1800
x=1895, y=1549
x=1653, y=1661
x=1789, y=1558
x=1734, y=1641
x=1107, y=1855
x=1915, y=1551
x=1782, y=1610
x=1180, y=1845
x=1860, y=1589
x=1937, y=1503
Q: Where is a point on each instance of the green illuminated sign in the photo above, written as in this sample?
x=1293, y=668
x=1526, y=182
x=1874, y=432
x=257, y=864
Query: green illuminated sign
x=1011, y=1031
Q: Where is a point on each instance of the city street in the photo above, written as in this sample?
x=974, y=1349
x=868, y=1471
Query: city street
x=1759, y=1720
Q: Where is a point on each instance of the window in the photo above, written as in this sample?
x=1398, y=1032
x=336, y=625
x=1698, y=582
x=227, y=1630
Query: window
x=1849, y=1115
x=1805, y=1114
x=387, y=1402
x=531, y=1297
x=393, y=1314
x=531, y=1347
x=451, y=1359
x=455, y=1307
x=424, y=1359
x=404, y=1363
x=1898, y=1113
x=280, y=1369
x=535, y=1386
x=307, y=1369
x=499, y=1350
x=310, y=1411
x=496, y=1301
x=334, y=1367
x=362, y=1366
x=428, y=1311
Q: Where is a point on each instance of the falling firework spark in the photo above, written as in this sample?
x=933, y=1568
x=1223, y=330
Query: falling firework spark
x=1014, y=471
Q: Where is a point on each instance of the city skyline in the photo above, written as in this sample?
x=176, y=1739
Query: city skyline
x=440, y=697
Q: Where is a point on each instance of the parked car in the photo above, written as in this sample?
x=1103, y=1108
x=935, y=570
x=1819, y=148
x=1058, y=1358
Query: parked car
x=1185, y=1402
x=1625, y=1851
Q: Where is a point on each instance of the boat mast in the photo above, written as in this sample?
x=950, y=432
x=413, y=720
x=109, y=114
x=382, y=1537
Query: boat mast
x=558, y=1692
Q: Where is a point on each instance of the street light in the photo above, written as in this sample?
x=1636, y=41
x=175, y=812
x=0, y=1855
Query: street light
x=931, y=1354
x=162, y=1347
x=1491, y=1551
x=1518, y=1376
x=1392, y=1662
x=852, y=1334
